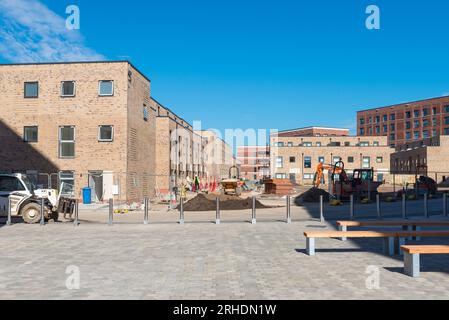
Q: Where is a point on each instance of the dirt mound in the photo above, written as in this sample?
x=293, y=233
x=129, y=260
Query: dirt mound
x=207, y=202
x=312, y=195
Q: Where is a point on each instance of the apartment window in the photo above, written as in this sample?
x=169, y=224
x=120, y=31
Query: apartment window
x=434, y=111
x=364, y=144
x=416, y=124
x=67, y=182
x=362, y=131
x=446, y=109
x=281, y=176
x=307, y=144
x=408, y=114
x=105, y=133
x=106, y=88
x=434, y=122
x=362, y=121
x=416, y=135
x=318, y=144
x=425, y=123
x=377, y=119
x=371, y=130
x=321, y=159
x=67, y=142
x=68, y=89
x=290, y=144
x=279, y=162
x=385, y=127
x=434, y=133
x=279, y=144
x=376, y=143
x=347, y=144
x=385, y=118
x=408, y=135
x=366, y=163
x=425, y=134
x=370, y=120
x=392, y=117
x=146, y=115
x=408, y=125
x=30, y=134
x=308, y=176
x=350, y=159
x=379, y=159
x=446, y=120
x=446, y=131
x=416, y=113
x=335, y=160
x=307, y=162
x=292, y=159
x=392, y=127
x=31, y=90
x=378, y=130
x=425, y=112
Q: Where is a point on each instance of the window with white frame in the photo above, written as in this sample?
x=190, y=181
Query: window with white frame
x=67, y=88
x=106, y=133
x=106, y=88
x=279, y=162
x=30, y=134
x=366, y=163
x=281, y=176
x=308, y=176
x=67, y=142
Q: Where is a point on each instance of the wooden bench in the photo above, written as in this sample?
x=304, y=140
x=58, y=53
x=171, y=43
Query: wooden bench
x=412, y=257
x=393, y=240
x=410, y=225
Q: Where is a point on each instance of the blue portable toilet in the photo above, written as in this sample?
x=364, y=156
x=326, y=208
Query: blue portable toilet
x=87, y=195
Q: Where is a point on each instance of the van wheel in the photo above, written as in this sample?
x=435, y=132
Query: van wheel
x=31, y=213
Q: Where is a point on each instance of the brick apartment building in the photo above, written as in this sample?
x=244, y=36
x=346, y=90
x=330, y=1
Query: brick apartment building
x=219, y=156
x=90, y=124
x=254, y=162
x=296, y=158
x=402, y=123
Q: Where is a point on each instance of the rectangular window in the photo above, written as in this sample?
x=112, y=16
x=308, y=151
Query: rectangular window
x=67, y=142
x=292, y=159
x=321, y=159
x=434, y=111
x=281, y=176
x=279, y=162
x=68, y=89
x=307, y=162
x=335, y=160
x=362, y=131
x=350, y=159
x=425, y=112
x=67, y=182
x=364, y=144
x=434, y=122
x=31, y=90
x=392, y=136
x=362, y=121
x=392, y=117
x=379, y=159
x=366, y=163
x=408, y=125
x=416, y=135
x=30, y=134
x=416, y=124
x=392, y=127
x=446, y=120
x=145, y=113
x=308, y=176
x=377, y=119
x=416, y=113
x=318, y=144
x=307, y=144
x=106, y=88
x=377, y=130
x=425, y=134
x=408, y=135
x=446, y=131
x=376, y=143
x=105, y=133
x=385, y=127
x=347, y=144
x=408, y=114
x=290, y=144
x=446, y=109
x=425, y=123
x=434, y=133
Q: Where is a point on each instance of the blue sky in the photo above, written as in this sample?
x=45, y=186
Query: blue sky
x=249, y=64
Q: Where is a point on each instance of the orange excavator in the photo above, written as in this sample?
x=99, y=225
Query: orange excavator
x=360, y=183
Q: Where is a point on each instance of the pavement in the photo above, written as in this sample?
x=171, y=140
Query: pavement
x=200, y=260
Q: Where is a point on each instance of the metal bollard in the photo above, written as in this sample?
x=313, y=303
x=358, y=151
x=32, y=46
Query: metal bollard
x=404, y=206
x=253, y=220
x=321, y=209
x=42, y=213
x=289, y=212
x=426, y=206
x=351, y=207
x=379, y=209
x=9, y=220
x=181, y=212
x=111, y=212
x=146, y=203
x=217, y=213
x=445, y=204
x=76, y=221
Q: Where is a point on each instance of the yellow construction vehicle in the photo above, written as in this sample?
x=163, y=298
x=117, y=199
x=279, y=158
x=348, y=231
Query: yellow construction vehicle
x=233, y=185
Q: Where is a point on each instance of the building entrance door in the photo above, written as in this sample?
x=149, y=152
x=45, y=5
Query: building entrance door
x=96, y=184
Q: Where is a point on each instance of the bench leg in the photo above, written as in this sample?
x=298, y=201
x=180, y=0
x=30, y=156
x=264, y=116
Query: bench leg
x=310, y=246
x=389, y=245
x=401, y=242
x=411, y=265
x=343, y=229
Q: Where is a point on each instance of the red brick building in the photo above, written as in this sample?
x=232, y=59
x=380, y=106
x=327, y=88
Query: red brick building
x=254, y=162
x=314, y=132
x=406, y=122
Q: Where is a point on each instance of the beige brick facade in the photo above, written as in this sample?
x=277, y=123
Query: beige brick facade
x=296, y=158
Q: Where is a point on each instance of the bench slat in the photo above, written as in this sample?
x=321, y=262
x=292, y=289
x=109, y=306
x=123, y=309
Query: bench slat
x=426, y=249
x=374, y=234
x=392, y=223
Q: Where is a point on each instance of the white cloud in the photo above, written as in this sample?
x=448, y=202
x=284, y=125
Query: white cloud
x=31, y=32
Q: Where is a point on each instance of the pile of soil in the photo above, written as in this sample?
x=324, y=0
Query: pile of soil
x=312, y=195
x=203, y=202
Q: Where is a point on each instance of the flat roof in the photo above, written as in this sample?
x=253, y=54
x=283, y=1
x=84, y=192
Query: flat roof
x=404, y=103
x=310, y=128
x=74, y=62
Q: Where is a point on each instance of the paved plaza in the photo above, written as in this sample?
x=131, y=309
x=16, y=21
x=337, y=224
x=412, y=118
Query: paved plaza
x=201, y=260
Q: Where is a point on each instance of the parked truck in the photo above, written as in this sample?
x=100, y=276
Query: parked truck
x=25, y=199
